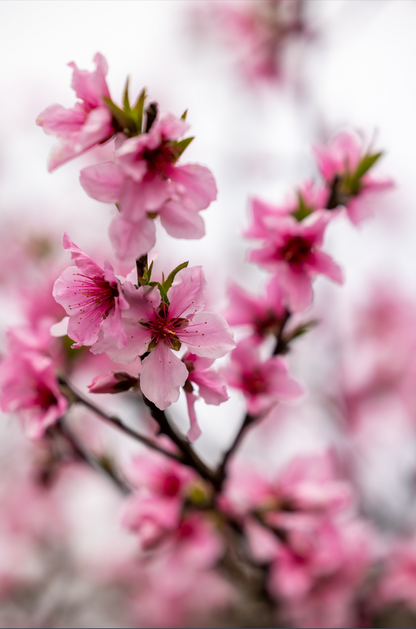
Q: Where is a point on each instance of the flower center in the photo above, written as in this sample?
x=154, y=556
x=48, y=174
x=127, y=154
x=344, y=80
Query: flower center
x=159, y=161
x=296, y=250
x=95, y=295
x=254, y=382
x=165, y=329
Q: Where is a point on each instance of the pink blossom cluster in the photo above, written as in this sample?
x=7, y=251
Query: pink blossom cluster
x=299, y=544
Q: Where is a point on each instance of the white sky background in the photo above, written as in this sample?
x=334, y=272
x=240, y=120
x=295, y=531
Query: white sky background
x=361, y=74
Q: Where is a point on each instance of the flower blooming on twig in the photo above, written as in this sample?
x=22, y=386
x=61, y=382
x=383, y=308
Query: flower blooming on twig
x=92, y=297
x=158, y=326
x=264, y=383
x=30, y=387
x=146, y=181
x=292, y=251
x=88, y=123
x=344, y=164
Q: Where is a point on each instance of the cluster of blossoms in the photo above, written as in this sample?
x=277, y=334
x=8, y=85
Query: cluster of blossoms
x=307, y=557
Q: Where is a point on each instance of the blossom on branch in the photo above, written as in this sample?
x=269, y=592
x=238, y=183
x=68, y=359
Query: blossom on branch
x=292, y=251
x=92, y=297
x=88, y=123
x=145, y=181
x=264, y=383
x=159, y=321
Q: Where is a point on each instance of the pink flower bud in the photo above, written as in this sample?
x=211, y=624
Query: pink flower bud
x=113, y=382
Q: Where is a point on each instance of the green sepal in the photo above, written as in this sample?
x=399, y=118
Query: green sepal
x=185, y=113
x=179, y=147
x=169, y=280
x=302, y=329
x=126, y=101
x=137, y=111
x=125, y=121
x=151, y=345
x=176, y=344
x=163, y=293
x=353, y=181
x=148, y=273
x=302, y=210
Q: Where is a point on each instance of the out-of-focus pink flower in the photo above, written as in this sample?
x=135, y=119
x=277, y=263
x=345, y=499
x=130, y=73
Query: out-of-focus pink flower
x=30, y=388
x=292, y=251
x=113, y=382
x=317, y=570
x=398, y=581
x=92, y=297
x=261, y=33
x=211, y=385
x=340, y=163
x=151, y=325
x=146, y=182
x=264, y=314
x=155, y=509
x=88, y=123
x=264, y=383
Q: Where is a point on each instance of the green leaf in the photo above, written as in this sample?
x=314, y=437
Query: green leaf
x=126, y=101
x=183, y=117
x=148, y=273
x=179, y=147
x=125, y=121
x=169, y=280
x=302, y=329
x=137, y=111
x=365, y=164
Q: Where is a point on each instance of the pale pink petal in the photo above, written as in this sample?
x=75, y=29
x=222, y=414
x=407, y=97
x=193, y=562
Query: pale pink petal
x=180, y=222
x=324, y=264
x=91, y=86
x=56, y=120
x=208, y=335
x=143, y=301
x=186, y=295
x=212, y=386
x=279, y=382
x=138, y=338
x=197, y=186
x=137, y=198
x=195, y=431
x=297, y=288
x=112, y=328
x=102, y=181
x=170, y=127
x=132, y=240
x=162, y=375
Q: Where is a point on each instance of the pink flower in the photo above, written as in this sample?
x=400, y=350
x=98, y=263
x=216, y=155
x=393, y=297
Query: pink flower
x=92, y=297
x=264, y=314
x=146, y=182
x=154, y=326
x=155, y=509
x=264, y=383
x=29, y=387
x=211, y=386
x=88, y=123
x=344, y=164
x=292, y=252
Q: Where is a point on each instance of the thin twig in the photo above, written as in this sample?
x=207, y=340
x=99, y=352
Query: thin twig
x=77, y=397
x=95, y=463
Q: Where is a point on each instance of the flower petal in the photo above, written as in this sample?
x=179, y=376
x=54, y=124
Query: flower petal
x=132, y=240
x=208, y=335
x=102, y=181
x=162, y=375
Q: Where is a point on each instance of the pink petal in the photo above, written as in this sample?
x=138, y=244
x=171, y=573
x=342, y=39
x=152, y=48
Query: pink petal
x=132, y=240
x=180, y=222
x=138, y=338
x=162, y=375
x=143, y=301
x=208, y=335
x=195, y=431
x=324, y=264
x=197, y=186
x=186, y=295
x=212, y=386
x=91, y=86
x=56, y=120
x=137, y=198
x=82, y=260
x=102, y=181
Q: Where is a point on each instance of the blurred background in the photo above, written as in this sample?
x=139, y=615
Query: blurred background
x=350, y=65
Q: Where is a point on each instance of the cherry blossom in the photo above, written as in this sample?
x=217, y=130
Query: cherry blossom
x=30, y=388
x=155, y=326
x=344, y=164
x=292, y=251
x=88, y=123
x=264, y=383
x=146, y=181
x=92, y=297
